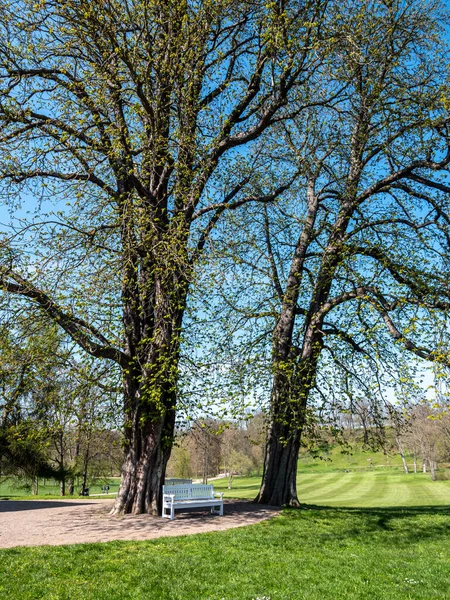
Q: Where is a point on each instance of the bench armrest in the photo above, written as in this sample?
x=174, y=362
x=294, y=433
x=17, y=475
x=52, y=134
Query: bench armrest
x=169, y=497
x=219, y=494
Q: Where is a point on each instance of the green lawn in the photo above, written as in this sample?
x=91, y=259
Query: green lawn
x=357, y=458
x=375, y=488
x=333, y=462
x=48, y=489
x=364, y=535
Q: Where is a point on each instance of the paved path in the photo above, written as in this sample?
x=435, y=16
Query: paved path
x=56, y=522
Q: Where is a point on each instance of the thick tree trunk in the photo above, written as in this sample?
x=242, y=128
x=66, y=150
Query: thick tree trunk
x=294, y=373
x=143, y=472
x=292, y=382
x=148, y=443
x=279, y=480
x=154, y=298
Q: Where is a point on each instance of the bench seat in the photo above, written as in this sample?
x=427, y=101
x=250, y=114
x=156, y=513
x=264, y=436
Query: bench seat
x=190, y=496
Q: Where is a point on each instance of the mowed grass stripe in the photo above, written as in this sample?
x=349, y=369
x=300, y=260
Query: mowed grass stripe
x=377, y=488
x=399, y=493
x=433, y=493
x=305, y=484
x=414, y=490
x=319, y=485
x=372, y=489
x=392, y=489
x=380, y=491
x=359, y=491
x=325, y=493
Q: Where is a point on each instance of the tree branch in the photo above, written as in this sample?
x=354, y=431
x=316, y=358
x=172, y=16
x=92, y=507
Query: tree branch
x=78, y=329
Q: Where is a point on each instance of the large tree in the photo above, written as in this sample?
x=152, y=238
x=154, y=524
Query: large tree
x=375, y=232
x=138, y=120
x=350, y=270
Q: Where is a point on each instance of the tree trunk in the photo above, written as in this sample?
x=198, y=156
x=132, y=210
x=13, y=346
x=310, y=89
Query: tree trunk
x=294, y=368
x=85, y=473
x=292, y=383
x=205, y=465
x=424, y=465
x=62, y=485
x=433, y=470
x=279, y=480
x=35, y=486
x=415, y=462
x=143, y=472
x=148, y=443
x=401, y=452
x=405, y=466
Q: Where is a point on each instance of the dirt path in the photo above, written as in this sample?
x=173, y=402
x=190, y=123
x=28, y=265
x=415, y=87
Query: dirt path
x=56, y=522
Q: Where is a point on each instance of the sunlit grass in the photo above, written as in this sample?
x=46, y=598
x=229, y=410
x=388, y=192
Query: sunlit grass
x=355, y=489
x=378, y=534
x=311, y=554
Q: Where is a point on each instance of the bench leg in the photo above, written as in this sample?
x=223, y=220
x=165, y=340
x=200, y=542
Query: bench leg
x=172, y=513
x=219, y=512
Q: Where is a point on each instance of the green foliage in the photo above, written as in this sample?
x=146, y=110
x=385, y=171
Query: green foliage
x=180, y=462
x=52, y=404
x=135, y=125
x=23, y=450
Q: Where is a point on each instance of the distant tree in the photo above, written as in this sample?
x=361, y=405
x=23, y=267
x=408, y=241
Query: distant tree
x=28, y=356
x=95, y=442
x=427, y=436
x=205, y=447
x=54, y=407
x=180, y=464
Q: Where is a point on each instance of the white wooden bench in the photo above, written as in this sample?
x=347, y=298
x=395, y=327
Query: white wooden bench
x=193, y=495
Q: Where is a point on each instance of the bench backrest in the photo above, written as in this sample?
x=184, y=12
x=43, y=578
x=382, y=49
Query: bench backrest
x=190, y=491
x=176, y=481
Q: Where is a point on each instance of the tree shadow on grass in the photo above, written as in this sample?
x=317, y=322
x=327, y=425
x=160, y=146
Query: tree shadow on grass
x=395, y=510
x=405, y=524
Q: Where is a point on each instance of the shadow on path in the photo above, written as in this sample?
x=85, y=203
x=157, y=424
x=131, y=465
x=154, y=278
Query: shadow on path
x=19, y=505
